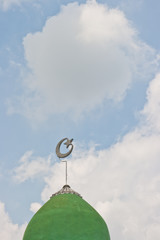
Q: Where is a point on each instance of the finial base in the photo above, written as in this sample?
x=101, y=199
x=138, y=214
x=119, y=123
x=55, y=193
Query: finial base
x=66, y=189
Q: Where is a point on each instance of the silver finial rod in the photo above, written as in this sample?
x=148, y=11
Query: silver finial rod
x=66, y=175
x=63, y=155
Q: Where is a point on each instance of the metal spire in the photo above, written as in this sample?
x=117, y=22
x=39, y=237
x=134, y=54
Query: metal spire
x=63, y=155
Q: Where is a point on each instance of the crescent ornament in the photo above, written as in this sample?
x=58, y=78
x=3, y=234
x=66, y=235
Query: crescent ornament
x=67, y=143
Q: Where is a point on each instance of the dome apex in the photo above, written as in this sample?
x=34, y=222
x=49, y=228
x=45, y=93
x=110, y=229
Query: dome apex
x=66, y=216
x=65, y=190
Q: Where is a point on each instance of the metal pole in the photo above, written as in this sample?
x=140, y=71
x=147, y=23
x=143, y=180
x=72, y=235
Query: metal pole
x=66, y=172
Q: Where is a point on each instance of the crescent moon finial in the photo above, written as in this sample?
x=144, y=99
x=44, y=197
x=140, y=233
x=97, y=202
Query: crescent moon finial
x=67, y=143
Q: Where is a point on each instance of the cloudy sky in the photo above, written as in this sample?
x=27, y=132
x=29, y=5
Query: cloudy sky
x=88, y=70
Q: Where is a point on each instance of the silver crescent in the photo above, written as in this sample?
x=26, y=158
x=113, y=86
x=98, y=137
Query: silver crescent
x=63, y=155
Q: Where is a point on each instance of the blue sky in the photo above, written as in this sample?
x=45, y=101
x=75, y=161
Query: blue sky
x=87, y=70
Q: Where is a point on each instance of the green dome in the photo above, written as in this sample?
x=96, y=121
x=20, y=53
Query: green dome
x=66, y=216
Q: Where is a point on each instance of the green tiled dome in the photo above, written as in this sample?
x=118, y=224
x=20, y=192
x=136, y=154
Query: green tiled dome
x=66, y=216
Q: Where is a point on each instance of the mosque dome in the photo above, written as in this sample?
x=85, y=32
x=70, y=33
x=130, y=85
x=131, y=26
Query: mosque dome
x=66, y=216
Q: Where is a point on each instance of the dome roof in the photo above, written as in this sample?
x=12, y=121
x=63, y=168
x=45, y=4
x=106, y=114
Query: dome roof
x=66, y=216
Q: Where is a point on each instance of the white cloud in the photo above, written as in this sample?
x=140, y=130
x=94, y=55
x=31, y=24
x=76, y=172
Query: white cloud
x=84, y=56
x=35, y=207
x=7, y=4
x=8, y=230
x=152, y=108
x=31, y=167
